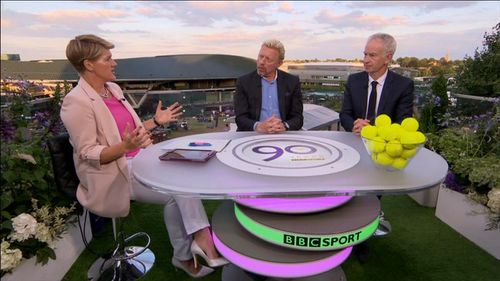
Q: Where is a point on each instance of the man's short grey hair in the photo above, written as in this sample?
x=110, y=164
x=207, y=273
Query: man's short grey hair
x=389, y=42
x=277, y=45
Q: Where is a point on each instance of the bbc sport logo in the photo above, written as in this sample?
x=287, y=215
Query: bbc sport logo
x=320, y=242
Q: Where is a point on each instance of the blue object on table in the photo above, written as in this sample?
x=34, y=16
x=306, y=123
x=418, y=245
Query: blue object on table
x=199, y=143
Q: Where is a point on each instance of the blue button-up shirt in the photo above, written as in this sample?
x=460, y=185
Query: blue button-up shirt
x=270, y=105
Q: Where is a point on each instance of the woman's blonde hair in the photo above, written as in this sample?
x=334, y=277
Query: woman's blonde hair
x=85, y=47
x=277, y=45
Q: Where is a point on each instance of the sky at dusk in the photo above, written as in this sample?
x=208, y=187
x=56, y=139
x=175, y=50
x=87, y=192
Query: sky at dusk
x=39, y=30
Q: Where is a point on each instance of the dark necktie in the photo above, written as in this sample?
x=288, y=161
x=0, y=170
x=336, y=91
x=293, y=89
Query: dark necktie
x=373, y=101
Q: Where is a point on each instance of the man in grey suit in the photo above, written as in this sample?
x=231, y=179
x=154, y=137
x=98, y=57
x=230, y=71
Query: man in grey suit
x=391, y=93
x=375, y=91
x=267, y=99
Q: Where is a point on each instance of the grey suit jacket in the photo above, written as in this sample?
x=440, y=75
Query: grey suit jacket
x=248, y=100
x=396, y=99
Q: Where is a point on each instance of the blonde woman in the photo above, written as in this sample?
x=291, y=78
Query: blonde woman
x=106, y=134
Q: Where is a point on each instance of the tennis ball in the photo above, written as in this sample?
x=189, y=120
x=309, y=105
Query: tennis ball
x=384, y=159
x=420, y=137
x=369, y=132
x=408, y=153
x=394, y=148
x=410, y=124
x=408, y=140
x=394, y=132
x=383, y=120
x=411, y=140
x=377, y=145
x=384, y=131
x=399, y=163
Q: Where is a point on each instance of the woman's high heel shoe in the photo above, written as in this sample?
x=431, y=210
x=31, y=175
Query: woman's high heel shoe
x=204, y=271
x=196, y=250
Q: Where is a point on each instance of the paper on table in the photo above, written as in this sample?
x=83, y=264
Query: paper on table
x=215, y=144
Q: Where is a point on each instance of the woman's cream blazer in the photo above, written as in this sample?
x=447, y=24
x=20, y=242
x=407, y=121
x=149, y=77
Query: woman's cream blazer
x=104, y=188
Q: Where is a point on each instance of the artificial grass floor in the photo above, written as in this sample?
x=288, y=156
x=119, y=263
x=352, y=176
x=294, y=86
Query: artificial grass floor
x=420, y=247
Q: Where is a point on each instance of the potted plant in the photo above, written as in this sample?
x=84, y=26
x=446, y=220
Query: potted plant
x=34, y=214
x=469, y=199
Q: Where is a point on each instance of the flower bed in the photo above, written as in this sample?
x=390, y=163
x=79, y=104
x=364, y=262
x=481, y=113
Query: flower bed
x=67, y=249
x=34, y=214
x=36, y=232
x=469, y=218
x=471, y=147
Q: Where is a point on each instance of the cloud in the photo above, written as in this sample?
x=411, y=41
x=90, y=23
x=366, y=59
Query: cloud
x=245, y=43
x=62, y=16
x=457, y=44
x=285, y=35
x=37, y=48
x=146, y=11
x=232, y=37
x=285, y=7
x=5, y=23
x=420, y=6
x=349, y=47
x=357, y=19
x=206, y=13
x=308, y=29
x=436, y=22
x=59, y=23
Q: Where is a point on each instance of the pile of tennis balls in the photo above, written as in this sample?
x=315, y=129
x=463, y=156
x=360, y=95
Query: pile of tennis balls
x=391, y=144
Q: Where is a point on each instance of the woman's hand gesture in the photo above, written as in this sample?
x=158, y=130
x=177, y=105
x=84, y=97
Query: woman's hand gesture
x=171, y=113
x=138, y=138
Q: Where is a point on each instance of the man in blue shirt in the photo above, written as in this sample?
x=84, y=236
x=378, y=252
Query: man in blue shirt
x=267, y=99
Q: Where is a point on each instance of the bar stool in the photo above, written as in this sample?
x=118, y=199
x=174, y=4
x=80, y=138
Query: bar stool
x=125, y=262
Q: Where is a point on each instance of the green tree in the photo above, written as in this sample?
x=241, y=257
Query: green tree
x=435, y=105
x=480, y=75
x=439, y=89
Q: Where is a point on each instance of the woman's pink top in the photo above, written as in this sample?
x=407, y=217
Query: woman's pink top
x=122, y=118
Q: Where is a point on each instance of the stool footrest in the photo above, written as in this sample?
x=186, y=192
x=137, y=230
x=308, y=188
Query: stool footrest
x=121, y=253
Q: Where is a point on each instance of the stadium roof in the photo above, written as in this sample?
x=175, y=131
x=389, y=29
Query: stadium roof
x=172, y=67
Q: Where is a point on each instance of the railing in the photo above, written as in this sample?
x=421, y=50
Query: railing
x=497, y=99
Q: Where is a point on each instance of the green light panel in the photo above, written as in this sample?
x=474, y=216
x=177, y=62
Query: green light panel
x=305, y=241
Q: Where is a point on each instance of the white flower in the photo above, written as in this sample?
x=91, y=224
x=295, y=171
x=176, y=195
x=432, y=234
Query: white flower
x=24, y=226
x=10, y=257
x=494, y=200
x=26, y=157
x=43, y=233
x=4, y=246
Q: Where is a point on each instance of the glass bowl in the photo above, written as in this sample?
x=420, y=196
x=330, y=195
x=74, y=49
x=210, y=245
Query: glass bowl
x=396, y=154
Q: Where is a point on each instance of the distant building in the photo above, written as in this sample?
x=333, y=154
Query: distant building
x=198, y=80
x=405, y=71
x=425, y=79
x=324, y=73
x=13, y=57
x=333, y=73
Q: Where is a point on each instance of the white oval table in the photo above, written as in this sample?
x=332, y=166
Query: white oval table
x=271, y=173
x=216, y=180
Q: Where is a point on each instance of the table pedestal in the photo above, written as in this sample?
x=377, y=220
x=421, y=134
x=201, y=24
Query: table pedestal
x=231, y=272
x=292, y=246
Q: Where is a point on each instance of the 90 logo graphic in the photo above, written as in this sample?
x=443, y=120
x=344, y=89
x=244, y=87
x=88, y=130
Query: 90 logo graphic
x=278, y=151
x=286, y=155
